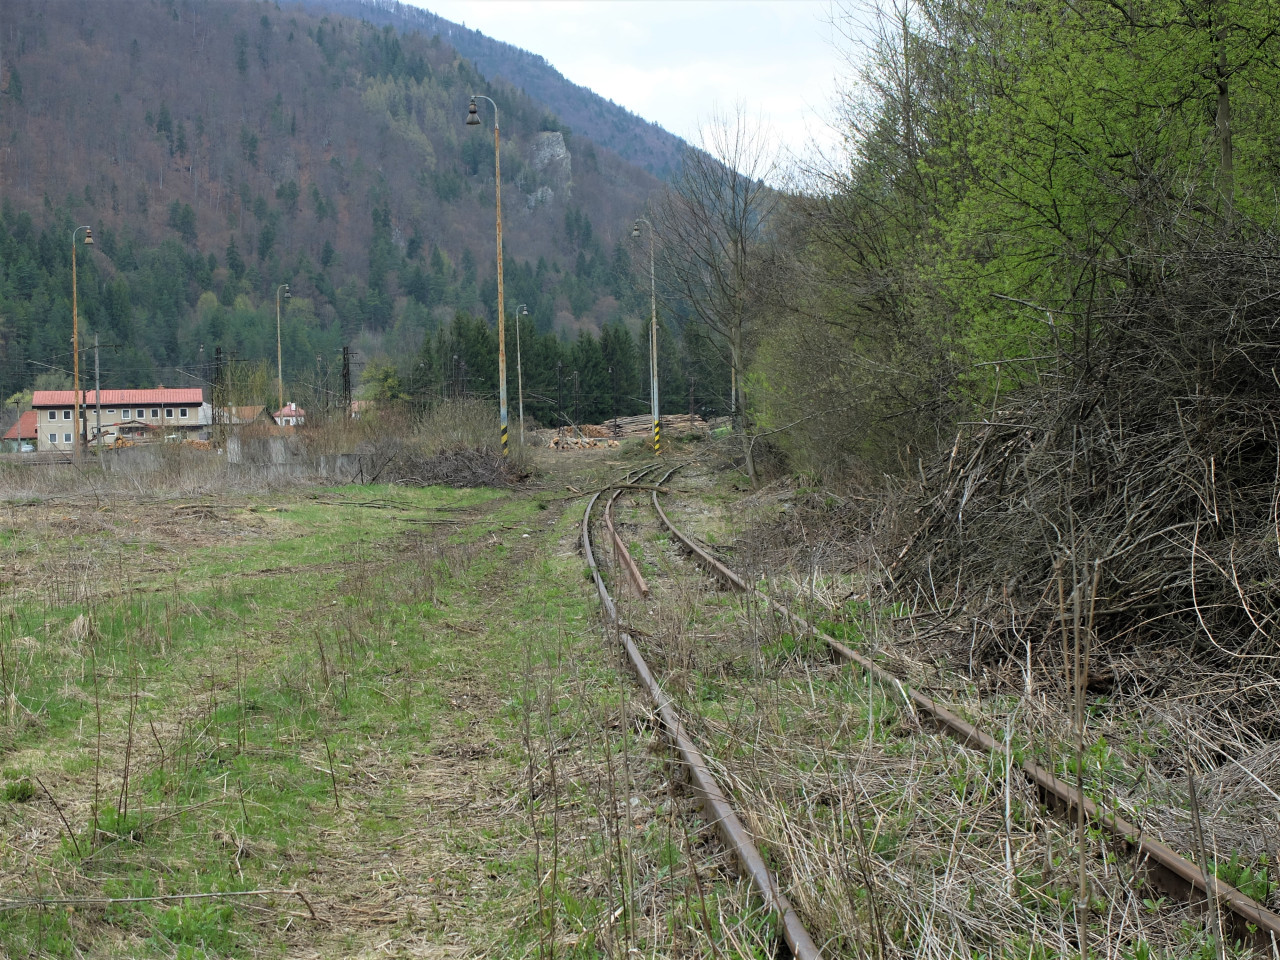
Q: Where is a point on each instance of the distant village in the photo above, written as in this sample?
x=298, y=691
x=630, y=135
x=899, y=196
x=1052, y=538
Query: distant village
x=121, y=418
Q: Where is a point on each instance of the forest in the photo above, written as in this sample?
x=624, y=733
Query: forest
x=218, y=151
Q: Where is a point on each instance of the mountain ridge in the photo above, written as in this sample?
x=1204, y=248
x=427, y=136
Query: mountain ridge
x=220, y=149
x=641, y=142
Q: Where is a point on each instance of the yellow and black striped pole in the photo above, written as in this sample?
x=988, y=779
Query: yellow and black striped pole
x=653, y=337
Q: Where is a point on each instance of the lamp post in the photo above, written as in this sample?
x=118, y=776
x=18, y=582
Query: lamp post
x=473, y=120
x=521, y=311
x=279, y=354
x=75, y=327
x=653, y=336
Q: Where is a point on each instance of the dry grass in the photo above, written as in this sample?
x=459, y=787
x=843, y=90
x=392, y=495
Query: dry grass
x=892, y=840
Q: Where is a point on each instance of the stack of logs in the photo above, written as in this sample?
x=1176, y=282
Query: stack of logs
x=590, y=435
x=642, y=426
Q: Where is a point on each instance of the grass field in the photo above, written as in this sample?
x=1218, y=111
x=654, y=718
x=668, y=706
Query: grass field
x=388, y=721
x=330, y=722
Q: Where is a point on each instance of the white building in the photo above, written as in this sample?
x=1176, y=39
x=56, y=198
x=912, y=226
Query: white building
x=159, y=414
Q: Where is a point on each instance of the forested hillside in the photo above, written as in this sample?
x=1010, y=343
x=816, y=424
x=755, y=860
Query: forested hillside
x=219, y=149
x=602, y=121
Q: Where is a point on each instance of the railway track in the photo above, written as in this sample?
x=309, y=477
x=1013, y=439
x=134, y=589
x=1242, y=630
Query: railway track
x=1238, y=918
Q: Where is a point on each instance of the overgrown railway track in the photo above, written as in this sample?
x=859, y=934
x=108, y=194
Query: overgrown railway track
x=1239, y=918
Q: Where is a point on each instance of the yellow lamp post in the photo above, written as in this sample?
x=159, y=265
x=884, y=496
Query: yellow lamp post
x=75, y=328
x=473, y=120
x=653, y=337
x=279, y=353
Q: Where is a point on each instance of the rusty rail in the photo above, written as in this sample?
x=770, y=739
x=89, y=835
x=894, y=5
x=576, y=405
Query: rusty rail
x=620, y=549
x=1250, y=920
x=714, y=803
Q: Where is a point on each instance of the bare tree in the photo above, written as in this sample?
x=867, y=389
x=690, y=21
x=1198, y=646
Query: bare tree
x=714, y=226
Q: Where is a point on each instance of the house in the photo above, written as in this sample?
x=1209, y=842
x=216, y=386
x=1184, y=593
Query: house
x=22, y=435
x=162, y=413
x=239, y=416
x=290, y=415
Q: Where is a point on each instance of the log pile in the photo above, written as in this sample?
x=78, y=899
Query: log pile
x=580, y=443
x=589, y=435
x=642, y=425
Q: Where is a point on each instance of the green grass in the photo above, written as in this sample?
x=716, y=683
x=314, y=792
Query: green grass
x=346, y=700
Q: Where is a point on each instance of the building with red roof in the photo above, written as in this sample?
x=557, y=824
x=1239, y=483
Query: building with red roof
x=163, y=413
x=290, y=415
x=23, y=433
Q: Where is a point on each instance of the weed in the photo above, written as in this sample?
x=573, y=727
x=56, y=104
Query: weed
x=19, y=791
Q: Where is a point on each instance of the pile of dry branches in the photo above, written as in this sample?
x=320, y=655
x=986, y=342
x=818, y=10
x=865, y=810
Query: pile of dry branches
x=1133, y=490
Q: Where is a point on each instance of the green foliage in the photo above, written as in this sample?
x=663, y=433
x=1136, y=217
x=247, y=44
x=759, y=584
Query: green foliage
x=1007, y=164
x=1252, y=880
x=19, y=791
x=183, y=219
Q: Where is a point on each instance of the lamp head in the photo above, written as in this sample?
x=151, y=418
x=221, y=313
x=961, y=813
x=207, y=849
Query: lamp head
x=473, y=114
x=88, y=237
x=287, y=294
x=635, y=229
x=523, y=312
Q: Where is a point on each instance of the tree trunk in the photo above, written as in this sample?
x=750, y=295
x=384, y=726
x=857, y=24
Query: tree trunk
x=740, y=402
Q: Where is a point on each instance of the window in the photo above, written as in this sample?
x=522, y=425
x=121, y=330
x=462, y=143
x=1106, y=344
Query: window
x=53, y=414
x=155, y=413
x=66, y=414
x=168, y=413
x=53, y=437
x=141, y=413
x=66, y=438
x=111, y=411
x=182, y=413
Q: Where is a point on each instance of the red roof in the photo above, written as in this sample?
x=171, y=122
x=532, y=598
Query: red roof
x=66, y=398
x=25, y=428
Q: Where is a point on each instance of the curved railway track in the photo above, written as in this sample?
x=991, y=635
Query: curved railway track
x=1243, y=919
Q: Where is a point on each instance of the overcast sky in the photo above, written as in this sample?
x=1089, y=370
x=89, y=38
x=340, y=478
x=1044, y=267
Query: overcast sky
x=676, y=61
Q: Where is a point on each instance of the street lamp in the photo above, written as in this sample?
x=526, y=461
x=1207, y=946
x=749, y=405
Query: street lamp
x=75, y=326
x=279, y=355
x=473, y=120
x=521, y=311
x=653, y=337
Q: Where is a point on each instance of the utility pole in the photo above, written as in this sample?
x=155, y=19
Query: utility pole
x=691, y=399
x=576, y=383
x=81, y=418
x=653, y=338
x=346, y=381
x=97, y=395
x=219, y=391
x=322, y=379
x=560, y=388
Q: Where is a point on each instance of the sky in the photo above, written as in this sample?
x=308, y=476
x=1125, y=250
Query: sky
x=677, y=62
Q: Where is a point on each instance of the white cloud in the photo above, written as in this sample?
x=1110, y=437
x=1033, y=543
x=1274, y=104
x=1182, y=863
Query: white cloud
x=677, y=61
